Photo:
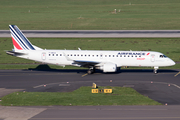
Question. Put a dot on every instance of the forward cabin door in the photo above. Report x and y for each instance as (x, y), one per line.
(152, 58)
(43, 56)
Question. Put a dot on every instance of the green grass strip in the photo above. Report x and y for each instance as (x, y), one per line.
(91, 14)
(81, 96)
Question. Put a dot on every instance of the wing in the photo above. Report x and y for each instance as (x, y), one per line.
(84, 63)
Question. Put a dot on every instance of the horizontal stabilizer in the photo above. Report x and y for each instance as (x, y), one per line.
(15, 53)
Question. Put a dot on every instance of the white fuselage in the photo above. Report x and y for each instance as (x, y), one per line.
(120, 58)
(108, 61)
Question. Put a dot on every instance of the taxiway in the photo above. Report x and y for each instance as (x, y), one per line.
(163, 87)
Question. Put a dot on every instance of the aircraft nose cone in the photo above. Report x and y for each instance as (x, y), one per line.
(172, 62)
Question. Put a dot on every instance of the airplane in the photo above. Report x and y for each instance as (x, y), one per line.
(107, 61)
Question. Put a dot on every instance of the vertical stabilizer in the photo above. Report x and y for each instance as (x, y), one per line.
(20, 41)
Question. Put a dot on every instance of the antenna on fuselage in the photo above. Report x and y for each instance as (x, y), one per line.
(79, 48)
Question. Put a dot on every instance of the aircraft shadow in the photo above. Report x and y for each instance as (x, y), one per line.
(45, 67)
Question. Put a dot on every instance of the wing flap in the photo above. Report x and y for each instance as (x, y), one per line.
(85, 63)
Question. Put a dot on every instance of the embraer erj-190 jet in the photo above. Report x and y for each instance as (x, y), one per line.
(107, 61)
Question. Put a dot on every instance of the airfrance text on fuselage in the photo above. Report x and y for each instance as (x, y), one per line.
(132, 53)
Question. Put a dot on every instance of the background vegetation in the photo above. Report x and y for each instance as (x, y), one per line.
(90, 14)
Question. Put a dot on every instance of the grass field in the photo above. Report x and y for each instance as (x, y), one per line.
(81, 96)
(90, 14)
(168, 46)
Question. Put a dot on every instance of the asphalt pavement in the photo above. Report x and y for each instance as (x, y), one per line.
(163, 87)
(97, 33)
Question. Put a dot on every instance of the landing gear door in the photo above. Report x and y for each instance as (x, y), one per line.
(43, 56)
(152, 58)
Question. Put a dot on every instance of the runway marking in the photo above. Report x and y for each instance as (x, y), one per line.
(177, 74)
(111, 118)
(60, 84)
(84, 74)
(176, 85)
(38, 86)
(168, 84)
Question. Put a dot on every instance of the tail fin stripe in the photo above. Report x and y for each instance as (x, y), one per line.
(25, 39)
(16, 44)
(18, 40)
(20, 37)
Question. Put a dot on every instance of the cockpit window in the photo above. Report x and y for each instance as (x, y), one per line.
(163, 56)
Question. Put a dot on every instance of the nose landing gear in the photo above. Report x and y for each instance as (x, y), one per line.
(155, 69)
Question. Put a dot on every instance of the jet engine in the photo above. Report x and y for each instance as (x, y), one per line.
(108, 67)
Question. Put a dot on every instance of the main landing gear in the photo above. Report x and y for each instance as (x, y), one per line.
(91, 70)
(155, 69)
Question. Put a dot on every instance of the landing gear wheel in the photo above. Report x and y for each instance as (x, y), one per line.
(155, 69)
(90, 71)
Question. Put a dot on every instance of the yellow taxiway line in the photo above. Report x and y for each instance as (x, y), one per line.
(177, 74)
(84, 74)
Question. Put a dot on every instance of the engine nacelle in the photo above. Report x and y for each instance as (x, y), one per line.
(108, 67)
